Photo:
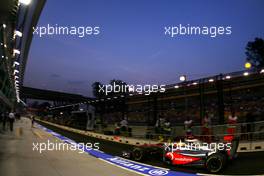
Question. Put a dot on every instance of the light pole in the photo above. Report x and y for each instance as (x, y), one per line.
(247, 66)
(183, 79)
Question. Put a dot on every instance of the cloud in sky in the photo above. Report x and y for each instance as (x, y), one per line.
(74, 82)
(54, 75)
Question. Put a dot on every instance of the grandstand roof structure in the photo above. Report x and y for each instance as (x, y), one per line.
(17, 19)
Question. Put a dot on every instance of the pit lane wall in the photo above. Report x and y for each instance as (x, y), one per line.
(244, 146)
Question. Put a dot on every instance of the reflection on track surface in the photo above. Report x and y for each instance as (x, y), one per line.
(246, 163)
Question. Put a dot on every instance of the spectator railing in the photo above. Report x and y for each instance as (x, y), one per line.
(245, 131)
(250, 131)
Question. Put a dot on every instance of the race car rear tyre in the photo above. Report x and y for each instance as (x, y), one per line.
(215, 162)
(138, 154)
(167, 161)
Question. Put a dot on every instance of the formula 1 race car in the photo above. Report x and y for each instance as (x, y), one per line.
(191, 152)
(144, 152)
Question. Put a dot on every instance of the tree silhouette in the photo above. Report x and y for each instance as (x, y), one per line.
(255, 53)
(117, 82)
(96, 89)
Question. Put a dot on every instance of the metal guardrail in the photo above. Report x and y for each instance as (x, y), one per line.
(245, 131)
(251, 131)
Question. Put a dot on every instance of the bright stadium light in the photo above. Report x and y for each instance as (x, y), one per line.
(18, 33)
(24, 2)
(228, 77)
(262, 71)
(211, 80)
(247, 65)
(183, 78)
(16, 51)
(3, 56)
(245, 73)
(4, 25)
(194, 83)
(176, 87)
(15, 63)
(16, 71)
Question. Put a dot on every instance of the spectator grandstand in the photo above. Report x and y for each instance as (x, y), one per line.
(237, 92)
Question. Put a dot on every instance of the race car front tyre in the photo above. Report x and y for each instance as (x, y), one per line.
(138, 154)
(215, 162)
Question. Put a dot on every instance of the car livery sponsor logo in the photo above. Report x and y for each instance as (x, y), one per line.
(137, 167)
(158, 172)
(128, 164)
(183, 159)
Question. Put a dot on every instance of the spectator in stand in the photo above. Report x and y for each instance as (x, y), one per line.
(124, 124)
(159, 125)
(11, 120)
(188, 126)
(232, 121)
(206, 131)
(167, 127)
(117, 129)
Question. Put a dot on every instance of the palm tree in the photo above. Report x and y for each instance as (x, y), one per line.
(118, 83)
(96, 89)
(255, 53)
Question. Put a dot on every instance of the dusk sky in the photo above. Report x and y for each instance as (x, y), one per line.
(132, 45)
